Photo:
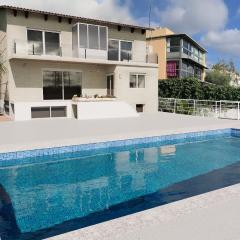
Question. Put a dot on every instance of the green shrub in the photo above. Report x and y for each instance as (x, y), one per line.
(192, 88)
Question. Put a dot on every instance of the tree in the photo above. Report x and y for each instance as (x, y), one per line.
(218, 77)
(2, 88)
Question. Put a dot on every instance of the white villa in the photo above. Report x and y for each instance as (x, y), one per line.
(52, 57)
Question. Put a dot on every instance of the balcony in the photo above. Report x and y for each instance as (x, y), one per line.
(65, 52)
(177, 52)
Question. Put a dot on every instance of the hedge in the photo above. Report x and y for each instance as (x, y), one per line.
(192, 88)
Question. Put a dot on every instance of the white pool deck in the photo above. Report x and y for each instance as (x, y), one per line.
(37, 134)
(213, 216)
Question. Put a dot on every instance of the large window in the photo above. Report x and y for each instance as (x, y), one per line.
(119, 50)
(173, 44)
(192, 51)
(92, 36)
(42, 42)
(61, 85)
(137, 80)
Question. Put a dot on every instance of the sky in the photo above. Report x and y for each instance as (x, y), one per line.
(214, 23)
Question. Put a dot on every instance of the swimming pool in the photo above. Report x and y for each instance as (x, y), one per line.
(48, 192)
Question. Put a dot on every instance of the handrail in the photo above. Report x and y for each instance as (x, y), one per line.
(208, 108)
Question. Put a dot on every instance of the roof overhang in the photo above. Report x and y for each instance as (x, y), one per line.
(76, 18)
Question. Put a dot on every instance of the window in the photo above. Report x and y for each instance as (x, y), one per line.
(133, 81)
(126, 50)
(139, 107)
(61, 85)
(113, 50)
(137, 80)
(83, 36)
(173, 44)
(119, 50)
(49, 112)
(52, 43)
(58, 111)
(92, 36)
(52, 85)
(103, 38)
(40, 112)
(72, 84)
(35, 42)
(41, 42)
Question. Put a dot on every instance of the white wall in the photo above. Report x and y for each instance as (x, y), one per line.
(105, 109)
(147, 96)
(26, 79)
(22, 110)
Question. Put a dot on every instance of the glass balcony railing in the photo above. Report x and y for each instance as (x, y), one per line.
(21, 47)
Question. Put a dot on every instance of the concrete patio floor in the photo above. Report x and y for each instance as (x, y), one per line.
(37, 134)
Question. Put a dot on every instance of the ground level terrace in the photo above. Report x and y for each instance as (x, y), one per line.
(61, 132)
(52, 81)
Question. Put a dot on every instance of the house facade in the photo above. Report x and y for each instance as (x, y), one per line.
(179, 55)
(52, 57)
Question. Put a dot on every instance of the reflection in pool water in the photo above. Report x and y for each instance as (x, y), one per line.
(44, 195)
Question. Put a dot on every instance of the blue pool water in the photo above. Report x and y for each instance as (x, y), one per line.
(36, 197)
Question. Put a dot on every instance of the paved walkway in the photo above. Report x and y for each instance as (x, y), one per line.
(37, 134)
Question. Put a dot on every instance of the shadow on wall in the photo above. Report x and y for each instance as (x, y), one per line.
(8, 224)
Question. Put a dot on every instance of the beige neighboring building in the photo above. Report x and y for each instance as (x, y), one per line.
(178, 54)
(50, 57)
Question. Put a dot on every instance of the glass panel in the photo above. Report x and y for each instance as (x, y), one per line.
(35, 42)
(83, 35)
(58, 111)
(103, 38)
(133, 81)
(72, 84)
(174, 41)
(40, 112)
(52, 85)
(141, 81)
(52, 43)
(93, 37)
(113, 50)
(126, 50)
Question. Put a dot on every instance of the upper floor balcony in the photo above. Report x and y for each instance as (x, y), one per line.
(50, 50)
(178, 47)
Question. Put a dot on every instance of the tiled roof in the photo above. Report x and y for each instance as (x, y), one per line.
(77, 18)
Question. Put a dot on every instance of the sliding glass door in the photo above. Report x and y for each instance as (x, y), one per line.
(61, 85)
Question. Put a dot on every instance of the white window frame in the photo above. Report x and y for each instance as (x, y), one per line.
(119, 46)
(99, 26)
(137, 75)
(62, 71)
(43, 38)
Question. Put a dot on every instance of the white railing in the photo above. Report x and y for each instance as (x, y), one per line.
(206, 108)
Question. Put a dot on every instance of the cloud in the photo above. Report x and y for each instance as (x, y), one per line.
(194, 16)
(110, 10)
(226, 41)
